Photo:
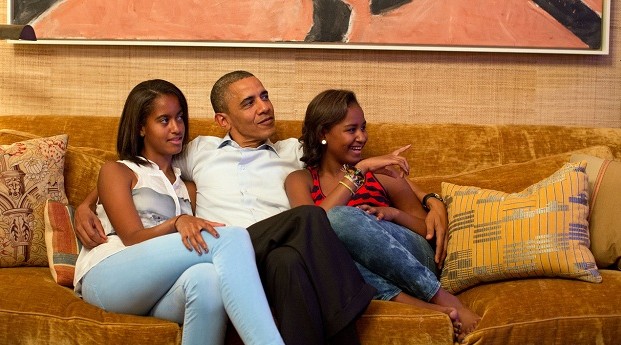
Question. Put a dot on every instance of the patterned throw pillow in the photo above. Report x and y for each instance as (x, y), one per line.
(31, 172)
(63, 247)
(604, 221)
(540, 231)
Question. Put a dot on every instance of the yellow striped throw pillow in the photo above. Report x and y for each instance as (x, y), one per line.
(541, 231)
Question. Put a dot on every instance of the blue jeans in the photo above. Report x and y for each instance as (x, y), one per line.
(390, 257)
(160, 277)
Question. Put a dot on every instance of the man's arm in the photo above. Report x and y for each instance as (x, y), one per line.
(436, 221)
(88, 227)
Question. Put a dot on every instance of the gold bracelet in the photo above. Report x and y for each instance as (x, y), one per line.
(348, 187)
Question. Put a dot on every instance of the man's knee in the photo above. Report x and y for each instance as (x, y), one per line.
(284, 260)
(312, 211)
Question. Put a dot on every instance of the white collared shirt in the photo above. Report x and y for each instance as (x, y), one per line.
(239, 186)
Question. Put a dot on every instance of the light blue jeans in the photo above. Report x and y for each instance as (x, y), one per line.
(390, 257)
(160, 277)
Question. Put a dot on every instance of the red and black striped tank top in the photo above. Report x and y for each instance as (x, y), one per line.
(371, 193)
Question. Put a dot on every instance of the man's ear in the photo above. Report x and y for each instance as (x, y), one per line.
(223, 120)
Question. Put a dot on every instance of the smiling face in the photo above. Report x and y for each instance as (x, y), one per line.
(164, 129)
(249, 117)
(346, 139)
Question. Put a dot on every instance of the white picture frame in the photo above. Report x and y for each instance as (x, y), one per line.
(18, 13)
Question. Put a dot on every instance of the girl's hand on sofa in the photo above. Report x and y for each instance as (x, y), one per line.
(88, 227)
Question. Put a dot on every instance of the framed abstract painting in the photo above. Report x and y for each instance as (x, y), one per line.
(539, 26)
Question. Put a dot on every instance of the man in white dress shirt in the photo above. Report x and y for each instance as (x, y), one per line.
(309, 278)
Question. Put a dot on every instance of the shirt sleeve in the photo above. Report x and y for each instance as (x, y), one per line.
(290, 149)
(299, 153)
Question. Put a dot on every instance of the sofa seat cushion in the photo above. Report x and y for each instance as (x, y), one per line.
(547, 311)
(44, 312)
(385, 322)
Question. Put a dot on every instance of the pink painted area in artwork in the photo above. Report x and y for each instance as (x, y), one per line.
(246, 20)
(494, 23)
(507, 23)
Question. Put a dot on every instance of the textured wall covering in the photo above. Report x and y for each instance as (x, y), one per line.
(393, 86)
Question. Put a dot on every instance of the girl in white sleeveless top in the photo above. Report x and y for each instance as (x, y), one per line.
(159, 259)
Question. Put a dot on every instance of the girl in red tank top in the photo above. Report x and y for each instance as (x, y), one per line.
(336, 175)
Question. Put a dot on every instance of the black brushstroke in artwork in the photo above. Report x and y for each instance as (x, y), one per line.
(577, 17)
(382, 6)
(330, 21)
(25, 11)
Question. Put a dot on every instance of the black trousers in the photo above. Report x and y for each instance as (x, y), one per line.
(312, 283)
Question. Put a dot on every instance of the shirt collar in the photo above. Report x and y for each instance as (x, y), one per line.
(228, 141)
(156, 167)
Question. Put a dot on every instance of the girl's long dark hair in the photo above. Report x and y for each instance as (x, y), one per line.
(139, 104)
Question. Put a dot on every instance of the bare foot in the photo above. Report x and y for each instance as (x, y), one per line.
(469, 319)
(452, 312)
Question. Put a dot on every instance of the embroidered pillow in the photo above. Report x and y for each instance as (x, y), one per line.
(61, 242)
(604, 220)
(31, 172)
(540, 231)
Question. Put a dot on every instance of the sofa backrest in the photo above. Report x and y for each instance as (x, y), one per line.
(438, 150)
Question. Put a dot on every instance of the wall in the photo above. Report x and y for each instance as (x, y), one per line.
(393, 86)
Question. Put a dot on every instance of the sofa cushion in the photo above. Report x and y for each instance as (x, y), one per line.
(541, 231)
(511, 177)
(81, 170)
(604, 221)
(39, 321)
(9, 136)
(386, 322)
(31, 172)
(546, 311)
(36, 310)
(63, 247)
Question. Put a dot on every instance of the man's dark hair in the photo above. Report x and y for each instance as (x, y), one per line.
(220, 88)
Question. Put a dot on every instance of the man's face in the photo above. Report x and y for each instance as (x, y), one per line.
(250, 116)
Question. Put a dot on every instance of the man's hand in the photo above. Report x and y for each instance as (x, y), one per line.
(437, 225)
(88, 227)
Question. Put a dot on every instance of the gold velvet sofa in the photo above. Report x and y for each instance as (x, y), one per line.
(34, 309)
